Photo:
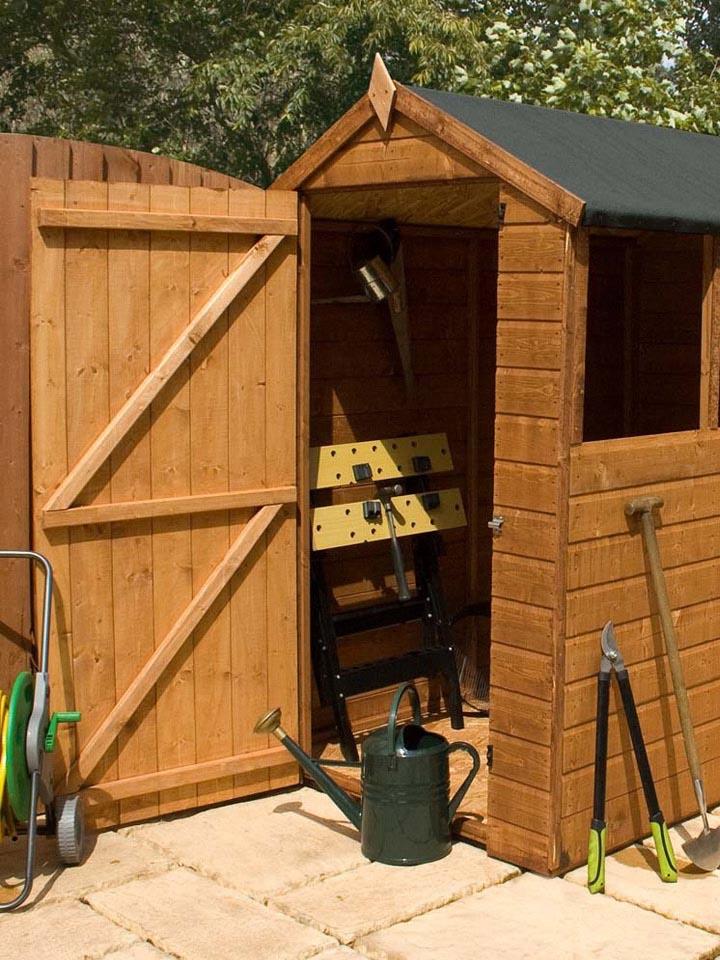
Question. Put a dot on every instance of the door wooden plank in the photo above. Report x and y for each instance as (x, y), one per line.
(132, 586)
(209, 451)
(280, 451)
(49, 448)
(170, 440)
(202, 322)
(15, 596)
(104, 736)
(248, 593)
(88, 410)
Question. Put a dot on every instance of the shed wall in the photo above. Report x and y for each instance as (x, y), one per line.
(23, 157)
(607, 579)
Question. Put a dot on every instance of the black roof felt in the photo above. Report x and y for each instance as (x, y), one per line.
(630, 175)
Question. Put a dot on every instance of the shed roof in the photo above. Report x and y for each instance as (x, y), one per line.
(630, 175)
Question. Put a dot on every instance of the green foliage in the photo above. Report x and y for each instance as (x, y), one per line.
(245, 85)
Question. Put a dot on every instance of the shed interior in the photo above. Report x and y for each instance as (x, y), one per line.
(357, 392)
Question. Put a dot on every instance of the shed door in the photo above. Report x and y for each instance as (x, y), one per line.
(164, 478)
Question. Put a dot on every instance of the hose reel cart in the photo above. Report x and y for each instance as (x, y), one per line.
(29, 735)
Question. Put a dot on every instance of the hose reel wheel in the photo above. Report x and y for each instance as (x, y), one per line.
(70, 820)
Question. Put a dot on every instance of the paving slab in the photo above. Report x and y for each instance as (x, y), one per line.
(261, 847)
(139, 951)
(194, 918)
(374, 895)
(67, 931)
(111, 859)
(534, 918)
(338, 953)
(631, 875)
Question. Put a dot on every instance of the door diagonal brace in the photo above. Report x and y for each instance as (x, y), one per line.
(128, 415)
(98, 744)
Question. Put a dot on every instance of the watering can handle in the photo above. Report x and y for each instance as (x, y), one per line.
(463, 788)
(392, 719)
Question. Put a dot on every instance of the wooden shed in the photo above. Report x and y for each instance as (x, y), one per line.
(561, 275)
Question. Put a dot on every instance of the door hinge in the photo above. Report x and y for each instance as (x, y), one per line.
(489, 755)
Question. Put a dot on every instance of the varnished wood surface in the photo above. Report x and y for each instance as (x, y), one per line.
(22, 157)
(533, 257)
(607, 578)
(168, 650)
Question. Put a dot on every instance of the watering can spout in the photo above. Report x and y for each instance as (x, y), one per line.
(270, 723)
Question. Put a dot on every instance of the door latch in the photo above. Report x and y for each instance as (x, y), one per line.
(496, 525)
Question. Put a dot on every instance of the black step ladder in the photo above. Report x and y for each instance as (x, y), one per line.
(405, 508)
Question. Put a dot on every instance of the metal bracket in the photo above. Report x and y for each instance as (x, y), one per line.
(496, 525)
(372, 510)
(361, 471)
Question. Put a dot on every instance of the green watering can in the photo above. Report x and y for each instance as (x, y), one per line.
(406, 812)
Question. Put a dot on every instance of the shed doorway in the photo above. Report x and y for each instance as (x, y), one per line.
(358, 393)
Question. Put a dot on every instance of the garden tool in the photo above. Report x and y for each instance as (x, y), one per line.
(406, 813)
(29, 735)
(704, 851)
(610, 661)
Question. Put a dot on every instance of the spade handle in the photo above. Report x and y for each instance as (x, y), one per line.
(647, 521)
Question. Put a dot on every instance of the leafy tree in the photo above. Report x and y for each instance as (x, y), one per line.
(246, 85)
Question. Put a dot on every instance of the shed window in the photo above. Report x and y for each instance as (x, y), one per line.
(642, 363)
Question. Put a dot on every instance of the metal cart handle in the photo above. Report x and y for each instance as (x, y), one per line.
(43, 562)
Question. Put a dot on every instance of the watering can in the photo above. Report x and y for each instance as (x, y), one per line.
(406, 812)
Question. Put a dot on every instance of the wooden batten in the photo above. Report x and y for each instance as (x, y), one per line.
(710, 356)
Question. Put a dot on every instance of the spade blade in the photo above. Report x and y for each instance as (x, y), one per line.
(704, 851)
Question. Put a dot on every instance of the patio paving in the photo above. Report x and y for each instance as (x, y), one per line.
(282, 878)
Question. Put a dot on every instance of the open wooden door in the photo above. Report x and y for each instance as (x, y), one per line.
(164, 481)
